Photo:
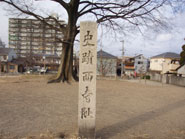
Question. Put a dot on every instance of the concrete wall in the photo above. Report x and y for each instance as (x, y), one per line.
(176, 80)
(168, 79)
(155, 77)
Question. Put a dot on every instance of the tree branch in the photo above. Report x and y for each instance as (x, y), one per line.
(31, 13)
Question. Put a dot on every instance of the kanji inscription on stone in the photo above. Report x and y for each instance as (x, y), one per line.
(87, 80)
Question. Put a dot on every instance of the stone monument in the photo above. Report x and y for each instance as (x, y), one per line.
(87, 80)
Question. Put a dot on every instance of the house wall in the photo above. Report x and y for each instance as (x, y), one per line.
(141, 64)
(181, 71)
(161, 64)
(9, 68)
(106, 67)
(129, 72)
(156, 77)
(8, 57)
(12, 55)
(12, 68)
(3, 58)
(3, 68)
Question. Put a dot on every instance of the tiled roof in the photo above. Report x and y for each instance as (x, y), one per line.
(167, 55)
(103, 54)
(138, 55)
(20, 60)
(5, 51)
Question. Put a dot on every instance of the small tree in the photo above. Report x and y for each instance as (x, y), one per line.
(116, 15)
(106, 66)
(182, 54)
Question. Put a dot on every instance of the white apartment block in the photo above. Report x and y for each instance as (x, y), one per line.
(31, 36)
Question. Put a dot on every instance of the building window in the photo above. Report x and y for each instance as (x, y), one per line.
(139, 62)
(176, 62)
(12, 67)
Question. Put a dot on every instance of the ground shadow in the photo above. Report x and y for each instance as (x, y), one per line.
(122, 126)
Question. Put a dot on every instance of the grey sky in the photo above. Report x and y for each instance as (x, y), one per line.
(169, 40)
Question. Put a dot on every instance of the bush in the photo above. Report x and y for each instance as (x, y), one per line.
(146, 77)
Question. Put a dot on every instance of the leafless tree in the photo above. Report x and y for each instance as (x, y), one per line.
(106, 67)
(113, 14)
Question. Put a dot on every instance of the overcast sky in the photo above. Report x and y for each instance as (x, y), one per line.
(149, 44)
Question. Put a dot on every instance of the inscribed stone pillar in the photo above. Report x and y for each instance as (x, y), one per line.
(87, 80)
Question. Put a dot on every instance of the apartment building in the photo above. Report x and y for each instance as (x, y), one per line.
(31, 36)
(6, 64)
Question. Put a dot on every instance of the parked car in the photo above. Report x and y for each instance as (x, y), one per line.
(28, 70)
(34, 69)
(43, 70)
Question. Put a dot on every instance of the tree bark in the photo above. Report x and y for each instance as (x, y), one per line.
(65, 71)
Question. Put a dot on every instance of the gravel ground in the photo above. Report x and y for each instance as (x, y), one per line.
(125, 109)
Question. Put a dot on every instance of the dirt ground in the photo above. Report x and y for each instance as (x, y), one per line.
(125, 109)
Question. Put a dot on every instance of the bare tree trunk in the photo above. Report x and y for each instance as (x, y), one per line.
(65, 70)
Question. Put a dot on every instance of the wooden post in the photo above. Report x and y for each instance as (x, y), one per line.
(87, 80)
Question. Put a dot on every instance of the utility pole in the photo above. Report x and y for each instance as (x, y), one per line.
(44, 58)
(101, 62)
(122, 57)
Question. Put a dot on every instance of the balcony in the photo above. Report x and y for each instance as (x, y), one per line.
(173, 67)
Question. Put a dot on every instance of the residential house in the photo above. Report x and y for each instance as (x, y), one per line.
(129, 66)
(141, 64)
(181, 70)
(106, 64)
(165, 63)
(119, 66)
(120, 61)
(6, 56)
(49, 61)
(133, 66)
(22, 63)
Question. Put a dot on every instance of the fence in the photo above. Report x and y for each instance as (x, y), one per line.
(168, 79)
